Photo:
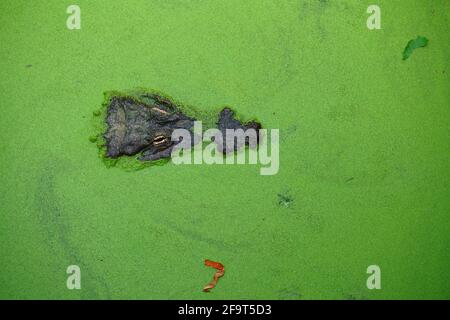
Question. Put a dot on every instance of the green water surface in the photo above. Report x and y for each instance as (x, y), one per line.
(364, 151)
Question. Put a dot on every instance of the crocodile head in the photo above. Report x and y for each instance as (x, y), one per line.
(136, 127)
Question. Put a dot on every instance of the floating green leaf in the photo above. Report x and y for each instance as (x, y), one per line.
(285, 200)
(414, 44)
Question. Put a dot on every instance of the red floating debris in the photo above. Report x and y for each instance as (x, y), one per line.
(220, 272)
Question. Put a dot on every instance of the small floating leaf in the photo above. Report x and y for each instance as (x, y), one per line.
(414, 44)
(285, 200)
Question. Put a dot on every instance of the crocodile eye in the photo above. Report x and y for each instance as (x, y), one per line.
(160, 111)
(159, 140)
